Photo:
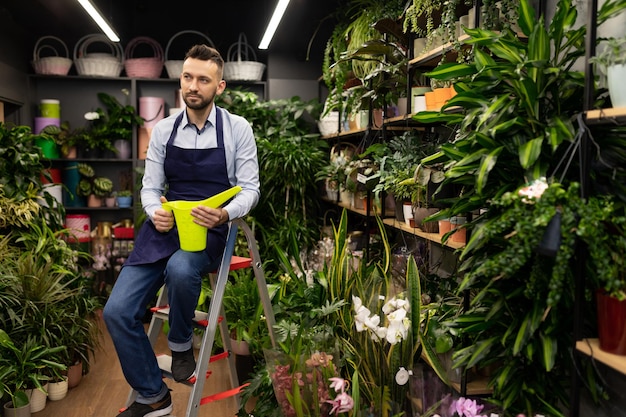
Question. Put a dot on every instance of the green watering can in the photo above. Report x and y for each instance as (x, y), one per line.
(193, 236)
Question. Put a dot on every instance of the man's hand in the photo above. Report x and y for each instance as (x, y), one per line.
(163, 220)
(209, 217)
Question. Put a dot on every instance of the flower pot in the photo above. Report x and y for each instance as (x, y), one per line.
(94, 201)
(616, 74)
(124, 201)
(37, 398)
(244, 364)
(57, 390)
(611, 323)
(122, 146)
(109, 201)
(74, 374)
(420, 214)
(23, 411)
(239, 347)
(407, 210)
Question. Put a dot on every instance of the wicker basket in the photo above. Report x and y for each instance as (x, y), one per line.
(51, 65)
(329, 124)
(175, 67)
(241, 62)
(98, 64)
(144, 67)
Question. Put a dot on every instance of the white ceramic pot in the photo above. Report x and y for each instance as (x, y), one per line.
(407, 210)
(57, 390)
(616, 74)
(37, 398)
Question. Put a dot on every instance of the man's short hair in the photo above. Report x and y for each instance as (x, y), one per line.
(206, 53)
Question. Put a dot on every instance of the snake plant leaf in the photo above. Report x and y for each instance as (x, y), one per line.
(451, 70)
(529, 152)
(486, 166)
(549, 348)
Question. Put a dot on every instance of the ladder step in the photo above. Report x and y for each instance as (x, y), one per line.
(238, 262)
(200, 318)
(223, 394)
(165, 364)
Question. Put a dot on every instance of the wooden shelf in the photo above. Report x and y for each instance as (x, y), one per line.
(591, 347)
(433, 237)
(432, 57)
(348, 133)
(605, 116)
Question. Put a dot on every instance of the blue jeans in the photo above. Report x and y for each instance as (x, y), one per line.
(135, 288)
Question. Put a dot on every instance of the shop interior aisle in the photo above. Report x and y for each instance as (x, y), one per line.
(103, 391)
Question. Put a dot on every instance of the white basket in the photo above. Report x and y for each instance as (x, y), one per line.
(329, 124)
(98, 64)
(175, 67)
(241, 63)
(51, 65)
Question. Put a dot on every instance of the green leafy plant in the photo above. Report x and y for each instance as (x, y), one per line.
(24, 366)
(91, 184)
(21, 188)
(115, 121)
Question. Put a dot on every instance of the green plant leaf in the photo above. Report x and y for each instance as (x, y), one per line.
(486, 165)
(529, 152)
(451, 70)
(549, 349)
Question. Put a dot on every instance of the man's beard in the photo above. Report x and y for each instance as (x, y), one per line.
(201, 105)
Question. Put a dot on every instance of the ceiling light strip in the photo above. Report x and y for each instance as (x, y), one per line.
(97, 17)
(273, 25)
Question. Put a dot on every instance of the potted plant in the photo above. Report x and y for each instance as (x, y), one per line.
(23, 366)
(65, 137)
(115, 122)
(612, 65)
(124, 198)
(93, 187)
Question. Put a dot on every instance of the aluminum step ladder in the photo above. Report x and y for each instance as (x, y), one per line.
(209, 322)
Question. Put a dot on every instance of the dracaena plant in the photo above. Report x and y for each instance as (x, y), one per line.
(518, 98)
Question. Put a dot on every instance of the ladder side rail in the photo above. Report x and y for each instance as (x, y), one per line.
(214, 311)
(223, 326)
(257, 267)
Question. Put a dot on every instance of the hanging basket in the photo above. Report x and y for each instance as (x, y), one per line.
(98, 64)
(241, 62)
(51, 65)
(175, 67)
(144, 67)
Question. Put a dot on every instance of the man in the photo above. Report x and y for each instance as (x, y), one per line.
(192, 155)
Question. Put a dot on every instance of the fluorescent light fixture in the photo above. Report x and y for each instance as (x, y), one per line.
(271, 27)
(97, 17)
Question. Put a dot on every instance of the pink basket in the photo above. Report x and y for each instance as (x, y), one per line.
(145, 67)
(51, 65)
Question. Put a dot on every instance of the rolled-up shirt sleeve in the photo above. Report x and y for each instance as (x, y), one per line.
(241, 160)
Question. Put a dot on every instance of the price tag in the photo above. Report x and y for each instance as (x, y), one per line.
(361, 178)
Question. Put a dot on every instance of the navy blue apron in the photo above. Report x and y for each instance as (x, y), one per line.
(192, 174)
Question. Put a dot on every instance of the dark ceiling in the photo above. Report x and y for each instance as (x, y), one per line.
(221, 21)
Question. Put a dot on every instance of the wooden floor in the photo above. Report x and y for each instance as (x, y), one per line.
(103, 391)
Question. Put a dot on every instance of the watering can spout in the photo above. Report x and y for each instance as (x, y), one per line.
(192, 236)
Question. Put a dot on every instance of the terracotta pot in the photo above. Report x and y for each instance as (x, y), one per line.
(611, 323)
(93, 201)
(74, 374)
(420, 214)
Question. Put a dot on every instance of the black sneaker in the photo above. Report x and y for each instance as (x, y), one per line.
(161, 408)
(183, 365)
